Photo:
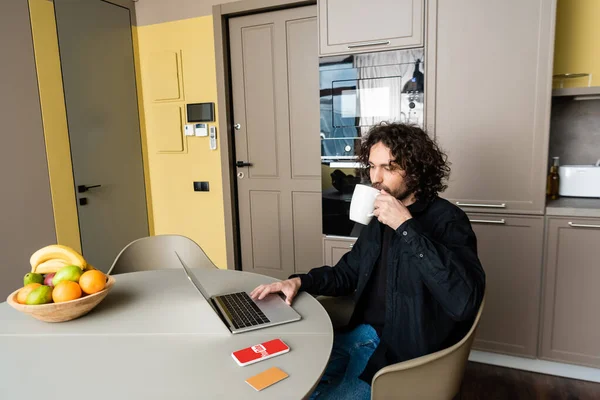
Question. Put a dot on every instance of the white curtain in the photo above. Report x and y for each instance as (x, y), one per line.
(379, 98)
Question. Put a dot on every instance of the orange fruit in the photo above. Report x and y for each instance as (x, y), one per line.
(92, 281)
(66, 291)
(25, 290)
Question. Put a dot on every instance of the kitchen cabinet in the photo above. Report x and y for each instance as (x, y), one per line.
(354, 26)
(571, 297)
(335, 247)
(489, 82)
(510, 249)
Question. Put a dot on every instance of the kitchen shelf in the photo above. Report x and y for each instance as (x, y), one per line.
(582, 92)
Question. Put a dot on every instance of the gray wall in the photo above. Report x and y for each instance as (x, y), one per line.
(26, 217)
(575, 131)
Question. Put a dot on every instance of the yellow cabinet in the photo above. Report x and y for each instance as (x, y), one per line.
(577, 45)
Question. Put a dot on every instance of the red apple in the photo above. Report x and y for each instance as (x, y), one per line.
(48, 279)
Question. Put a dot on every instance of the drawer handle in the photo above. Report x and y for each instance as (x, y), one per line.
(503, 205)
(382, 43)
(488, 221)
(572, 225)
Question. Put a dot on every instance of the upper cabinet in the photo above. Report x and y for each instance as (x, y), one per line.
(577, 47)
(489, 83)
(354, 26)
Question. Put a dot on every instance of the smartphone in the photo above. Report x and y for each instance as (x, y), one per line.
(266, 378)
(260, 352)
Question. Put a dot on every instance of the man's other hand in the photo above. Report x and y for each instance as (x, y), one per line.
(288, 287)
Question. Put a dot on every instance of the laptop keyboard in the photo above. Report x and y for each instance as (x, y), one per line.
(243, 311)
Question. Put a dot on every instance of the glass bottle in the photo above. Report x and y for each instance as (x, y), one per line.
(553, 180)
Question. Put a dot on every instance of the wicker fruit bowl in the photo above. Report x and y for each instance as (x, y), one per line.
(65, 311)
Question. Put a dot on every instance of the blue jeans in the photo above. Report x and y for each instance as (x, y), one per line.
(349, 356)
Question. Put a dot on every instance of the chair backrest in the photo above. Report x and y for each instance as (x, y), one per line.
(434, 376)
(158, 252)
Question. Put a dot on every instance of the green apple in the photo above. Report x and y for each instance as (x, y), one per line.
(32, 277)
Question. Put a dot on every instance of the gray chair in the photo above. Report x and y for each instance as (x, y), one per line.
(158, 252)
(436, 376)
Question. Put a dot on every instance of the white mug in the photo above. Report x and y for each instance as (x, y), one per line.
(363, 204)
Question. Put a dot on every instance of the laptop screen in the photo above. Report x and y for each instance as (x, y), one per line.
(201, 289)
(193, 278)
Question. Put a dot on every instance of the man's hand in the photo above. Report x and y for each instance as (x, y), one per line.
(390, 211)
(289, 288)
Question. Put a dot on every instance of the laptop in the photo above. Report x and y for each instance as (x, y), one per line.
(240, 313)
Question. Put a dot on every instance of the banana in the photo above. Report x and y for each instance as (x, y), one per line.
(50, 266)
(56, 252)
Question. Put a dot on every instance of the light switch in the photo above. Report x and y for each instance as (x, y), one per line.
(189, 130)
(201, 187)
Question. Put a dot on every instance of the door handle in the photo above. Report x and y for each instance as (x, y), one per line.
(381, 43)
(503, 205)
(241, 164)
(84, 188)
(488, 221)
(574, 225)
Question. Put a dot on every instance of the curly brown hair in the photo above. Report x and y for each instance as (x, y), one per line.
(426, 165)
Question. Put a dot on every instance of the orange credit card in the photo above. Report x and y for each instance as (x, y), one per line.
(266, 378)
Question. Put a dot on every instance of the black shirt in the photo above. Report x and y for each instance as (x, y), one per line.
(371, 306)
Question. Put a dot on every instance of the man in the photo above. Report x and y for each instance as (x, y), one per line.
(414, 271)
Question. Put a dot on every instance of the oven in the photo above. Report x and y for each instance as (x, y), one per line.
(357, 92)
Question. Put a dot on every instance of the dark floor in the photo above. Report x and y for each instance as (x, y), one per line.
(489, 382)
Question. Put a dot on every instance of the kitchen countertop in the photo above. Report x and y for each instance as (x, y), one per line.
(573, 207)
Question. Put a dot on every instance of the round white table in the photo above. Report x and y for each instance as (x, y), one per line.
(155, 337)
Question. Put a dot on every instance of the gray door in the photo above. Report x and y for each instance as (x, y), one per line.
(26, 219)
(510, 250)
(570, 323)
(96, 54)
(275, 85)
